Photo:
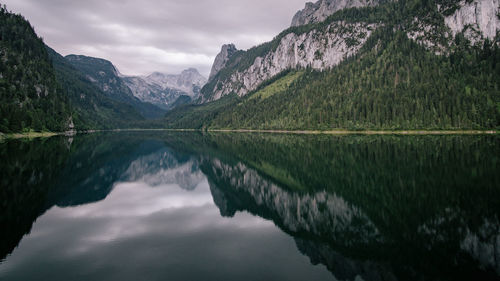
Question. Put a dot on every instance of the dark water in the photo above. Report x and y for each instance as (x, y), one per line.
(187, 206)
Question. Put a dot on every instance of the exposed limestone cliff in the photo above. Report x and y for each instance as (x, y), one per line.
(479, 17)
(316, 49)
(222, 58)
(477, 20)
(319, 11)
(324, 46)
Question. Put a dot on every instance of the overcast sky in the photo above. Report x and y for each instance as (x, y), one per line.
(142, 36)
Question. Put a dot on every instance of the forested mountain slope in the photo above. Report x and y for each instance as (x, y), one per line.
(91, 107)
(399, 65)
(30, 97)
(103, 74)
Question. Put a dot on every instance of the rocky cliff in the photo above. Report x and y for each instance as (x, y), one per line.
(478, 19)
(227, 51)
(318, 49)
(163, 90)
(319, 11)
(325, 45)
(189, 81)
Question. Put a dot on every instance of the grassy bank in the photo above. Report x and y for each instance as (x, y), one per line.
(370, 132)
(28, 135)
(31, 135)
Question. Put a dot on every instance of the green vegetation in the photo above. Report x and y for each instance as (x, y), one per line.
(41, 91)
(281, 85)
(105, 77)
(92, 108)
(196, 116)
(30, 97)
(392, 84)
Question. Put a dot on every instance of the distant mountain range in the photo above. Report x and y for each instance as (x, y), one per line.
(43, 91)
(158, 89)
(163, 90)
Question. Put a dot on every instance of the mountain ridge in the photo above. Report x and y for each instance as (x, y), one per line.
(163, 89)
(289, 50)
(107, 78)
(319, 11)
(372, 79)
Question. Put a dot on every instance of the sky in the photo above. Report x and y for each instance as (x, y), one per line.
(143, 36)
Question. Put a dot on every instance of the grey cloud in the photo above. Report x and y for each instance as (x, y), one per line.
(155, 35)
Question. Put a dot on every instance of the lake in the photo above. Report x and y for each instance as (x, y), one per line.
(229, 206)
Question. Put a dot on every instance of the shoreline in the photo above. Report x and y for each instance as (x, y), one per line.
(366, 132)
(32, 135)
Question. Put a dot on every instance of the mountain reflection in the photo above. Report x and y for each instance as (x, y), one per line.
(369, 207)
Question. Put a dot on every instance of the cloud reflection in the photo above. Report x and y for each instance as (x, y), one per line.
(154, 233)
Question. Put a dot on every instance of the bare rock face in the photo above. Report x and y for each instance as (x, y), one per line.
(222, 58)
(189, 81)
(319, 11)
(164, 89)
(316, 49)
(478, 19)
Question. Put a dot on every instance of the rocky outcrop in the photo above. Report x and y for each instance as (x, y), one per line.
(478, 19)
(189, 81)
(227, 51)
(152, 93)
(319, 50)
(319, 11)
(164, 89)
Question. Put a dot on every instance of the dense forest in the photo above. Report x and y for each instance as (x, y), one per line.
(392, 83)
(92, 108)
(30, 97)
(42, 91)
(105, 77)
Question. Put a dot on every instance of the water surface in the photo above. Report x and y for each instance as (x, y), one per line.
(188, 206)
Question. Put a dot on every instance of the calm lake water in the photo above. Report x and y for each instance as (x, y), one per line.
(187, 206)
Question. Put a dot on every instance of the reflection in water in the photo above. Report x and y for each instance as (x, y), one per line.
(163, 167)
(187, 206)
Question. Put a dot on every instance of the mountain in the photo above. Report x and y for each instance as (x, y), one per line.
(164, 89)
(316, 49)
(92, 109)
(324, 45)
(395, 65)
(319, 11)
(227, 51)
(189, 81)
(30, 97)
(152, 93)
(106, 77)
